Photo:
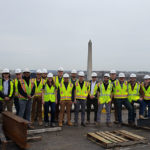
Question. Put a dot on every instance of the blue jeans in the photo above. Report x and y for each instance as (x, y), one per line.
(77, 108)
(147, 103)
(46, 111)
(108, 112)
(127, 104)
(141, 110)
(16, 102)
(25, 109)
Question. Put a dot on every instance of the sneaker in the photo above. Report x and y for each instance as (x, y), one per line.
(31, 127)
(83, 124)
(46, 124)
(40, 123)
(141, 117)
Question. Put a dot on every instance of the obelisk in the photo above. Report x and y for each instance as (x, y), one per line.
(89, 61)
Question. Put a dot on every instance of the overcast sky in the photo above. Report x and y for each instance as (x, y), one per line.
(53, 33)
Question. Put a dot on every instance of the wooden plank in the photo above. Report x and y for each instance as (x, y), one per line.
(134, 135)
(126, 135)
(100, 140)
(37, 131)
(107, 137)
(118, 137)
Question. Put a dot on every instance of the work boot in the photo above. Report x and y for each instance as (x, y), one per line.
(60, 124)
(141, 117)
(40, 123)
(31, 127)
(46, 124)
(69, 123)
(109, 124)
(98, 124)
(53, 124)
(83, 124)
(76, 124)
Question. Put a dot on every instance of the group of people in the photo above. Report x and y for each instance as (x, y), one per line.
(57, 94)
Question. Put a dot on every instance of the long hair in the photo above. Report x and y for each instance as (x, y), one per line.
(52, 82)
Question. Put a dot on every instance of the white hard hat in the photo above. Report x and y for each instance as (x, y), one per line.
(81, 73)
(133, 75)
(74, 71)
(66, 75)
(5, 70)
(107, 75)
(17, 71)
(60, 69)
(94, 74)
(44, 70)
(26, 70)
(112, 71)
(50, 75)
(121, 75)
(146, 77)
(38, 71)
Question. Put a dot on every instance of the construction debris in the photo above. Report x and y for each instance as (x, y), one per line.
(118, 138)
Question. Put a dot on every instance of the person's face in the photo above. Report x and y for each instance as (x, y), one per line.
(81, 78)
(132, 79)
(60, 73)
(73, 75)
(44, 75)
(113, 76)
(18, 75)
(121, 79)
(38, 75)
(146, 81)
(94, 79)
(27, 74)
(66, 79)
(6, 75)
(50, 79)
(106, 79)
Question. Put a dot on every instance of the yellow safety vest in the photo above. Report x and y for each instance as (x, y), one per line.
(146, 92)
(49, 93)
(27, 89)
(15, 81)
(133, 95)
(120, 92)
(105, 95)
(81, 93)
(95, 89)
(66, 94)
(57, 81)
(38, 89)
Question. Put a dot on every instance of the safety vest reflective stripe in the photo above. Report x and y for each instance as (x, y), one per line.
(147, 97)
(105, 94)
(49, 93)
(81, 96)
(120, 95)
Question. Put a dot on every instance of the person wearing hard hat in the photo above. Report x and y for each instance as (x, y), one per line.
(81, 93)
(92, 97)
(135, 95)
(104, 98)
(49, 98)
(73, 81)
(8, 89)
(58, 79)
(44, 73)
(18, 73)
(113, 77)
(37, 99)
(65, 89)
(146, 89)
(120, 91)
(26, 88)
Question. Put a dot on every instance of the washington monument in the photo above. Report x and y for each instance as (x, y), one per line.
(89, 61)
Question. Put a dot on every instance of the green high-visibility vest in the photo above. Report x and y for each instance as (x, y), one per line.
(66, 94)
(95, 89)
(120, 92)
(57, 81)
(81, 93)
(49, 93)
(146, 92)
(105, 95)
(16, 87)
(1, 88)
(133, 95)
(38, 89)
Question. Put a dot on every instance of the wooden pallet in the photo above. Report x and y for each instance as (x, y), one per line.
(118, 138)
